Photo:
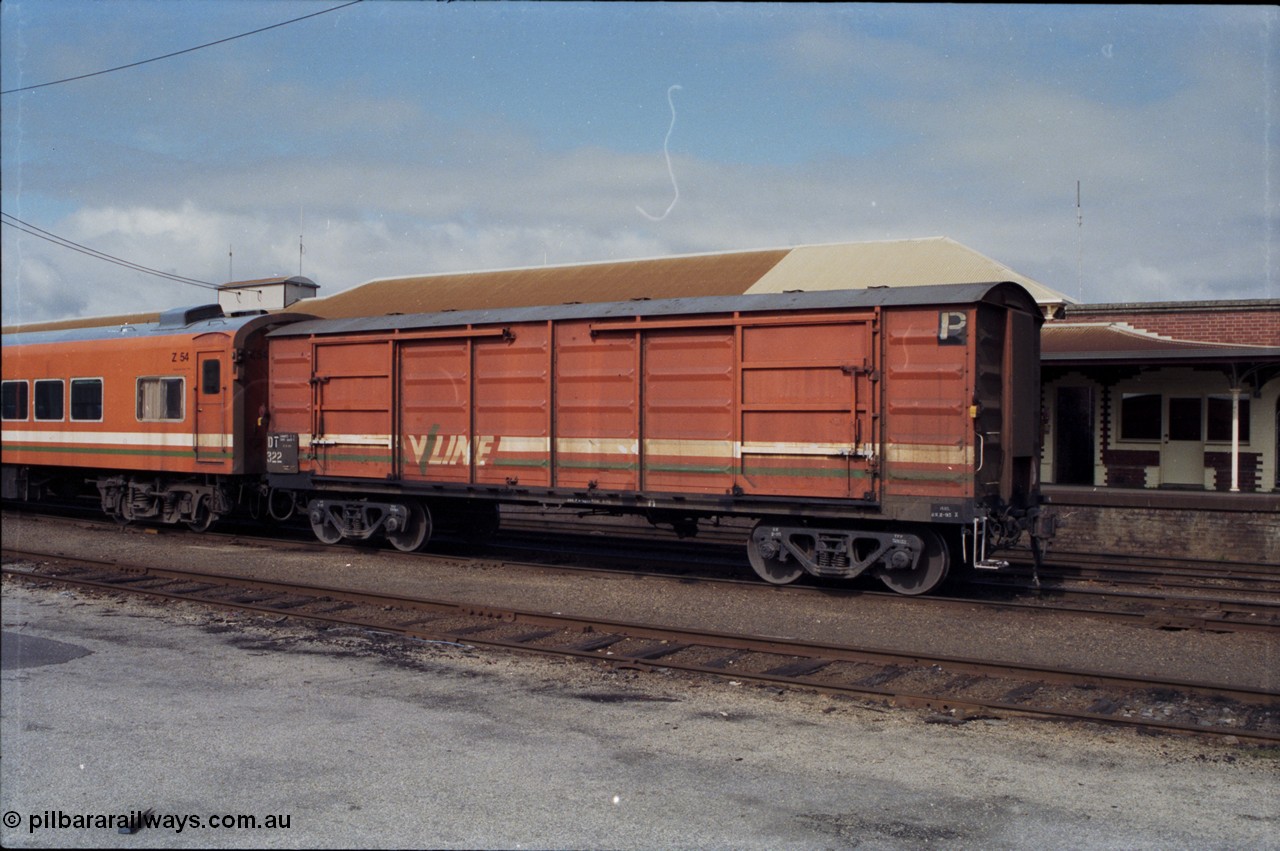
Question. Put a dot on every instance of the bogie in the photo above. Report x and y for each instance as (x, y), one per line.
(911, 559)
(406, 524)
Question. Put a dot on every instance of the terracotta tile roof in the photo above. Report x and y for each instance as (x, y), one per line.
(1066, 341)
(677, 277)
(837, 266)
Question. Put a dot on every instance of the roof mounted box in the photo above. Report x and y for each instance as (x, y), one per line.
(265, 294)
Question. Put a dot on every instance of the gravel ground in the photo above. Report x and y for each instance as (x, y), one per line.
(113, 704)
(1239, 659)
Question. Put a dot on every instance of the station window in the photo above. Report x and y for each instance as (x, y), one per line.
(1220, 419)
(160, 399)
(49, 399)
(13, 400)
(86, 399)
(1184, 419)
(1140, 416)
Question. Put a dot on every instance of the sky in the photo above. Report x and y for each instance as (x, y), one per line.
(407, 138)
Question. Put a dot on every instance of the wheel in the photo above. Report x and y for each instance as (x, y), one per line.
(765, 559)
(929, 571)
(202, 518)
(416, 531)
(325, 531)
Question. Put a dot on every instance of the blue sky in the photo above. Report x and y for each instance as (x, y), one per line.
(409, 138)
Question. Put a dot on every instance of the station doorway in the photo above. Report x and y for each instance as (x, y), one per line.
(1073, 448)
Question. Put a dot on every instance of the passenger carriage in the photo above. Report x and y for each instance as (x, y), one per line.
(166, 419)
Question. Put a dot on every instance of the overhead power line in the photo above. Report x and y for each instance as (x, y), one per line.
(30, 229)
(177, 52)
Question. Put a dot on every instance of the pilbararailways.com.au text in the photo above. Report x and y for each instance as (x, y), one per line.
(144, 820)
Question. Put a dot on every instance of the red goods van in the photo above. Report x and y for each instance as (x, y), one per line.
(894, 430)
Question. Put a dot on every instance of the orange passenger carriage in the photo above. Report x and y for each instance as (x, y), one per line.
(165, 418)
(892, 431)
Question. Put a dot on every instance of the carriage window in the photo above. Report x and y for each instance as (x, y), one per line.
(160, 399)
(86, 399)
(1220, 419)
(211, 378)
(49, 400)
(14, 400)
(1140, 416)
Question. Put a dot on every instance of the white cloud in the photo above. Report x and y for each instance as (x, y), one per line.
(1175, 205)
(41, 292)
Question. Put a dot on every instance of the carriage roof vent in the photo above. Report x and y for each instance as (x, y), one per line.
(181, 317)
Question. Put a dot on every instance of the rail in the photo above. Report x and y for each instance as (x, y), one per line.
(960, 688)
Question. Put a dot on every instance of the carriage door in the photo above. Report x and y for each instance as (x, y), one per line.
(808, 411)
(351, 431)
(210, 425)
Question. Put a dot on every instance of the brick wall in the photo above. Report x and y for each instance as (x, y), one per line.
(1250, 470)
(1241, 326)
(1227, 536)
(1127, 468)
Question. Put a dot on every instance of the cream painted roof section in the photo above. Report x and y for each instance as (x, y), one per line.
(894, 263)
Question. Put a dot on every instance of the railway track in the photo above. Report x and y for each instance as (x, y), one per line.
(1227, 610)
(1059, 565)
(560, 546)
(955, 689)
(726, 542)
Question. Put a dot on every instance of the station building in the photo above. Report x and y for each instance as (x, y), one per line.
(1162, 428)
(1166, 395)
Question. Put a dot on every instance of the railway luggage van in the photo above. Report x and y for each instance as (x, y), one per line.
(165, 419)
(893, 430)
